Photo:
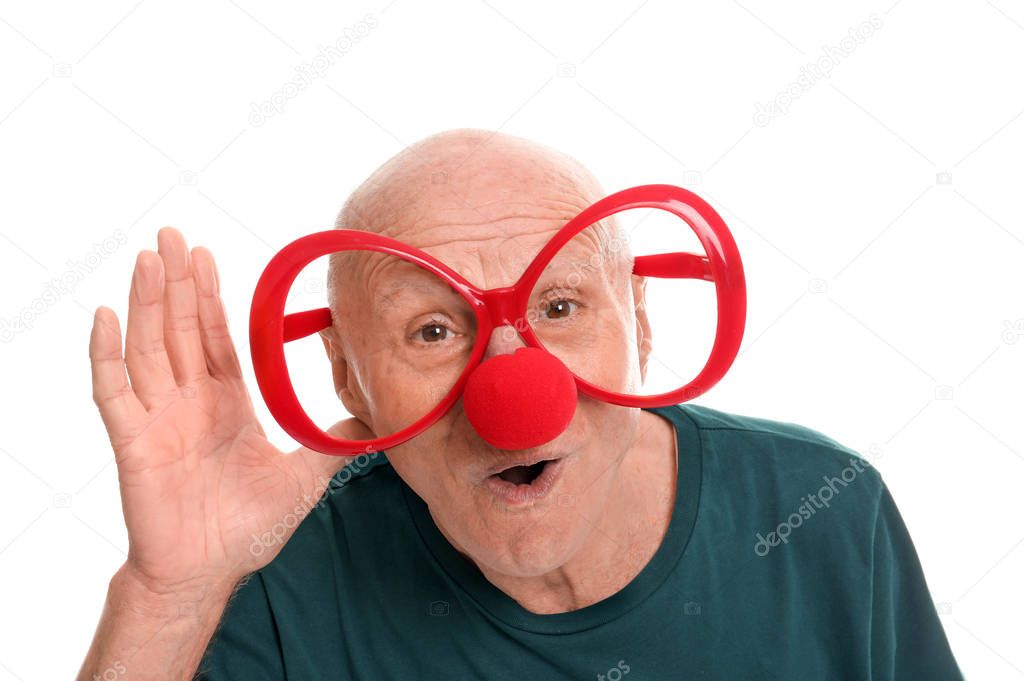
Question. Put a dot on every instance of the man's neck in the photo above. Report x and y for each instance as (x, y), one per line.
(622, 539)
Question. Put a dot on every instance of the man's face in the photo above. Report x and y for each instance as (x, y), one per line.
(403, 337)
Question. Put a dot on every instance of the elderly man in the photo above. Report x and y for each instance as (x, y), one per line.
(649, 543)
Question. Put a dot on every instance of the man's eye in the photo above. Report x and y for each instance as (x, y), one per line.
(433, 332)
(559, 309)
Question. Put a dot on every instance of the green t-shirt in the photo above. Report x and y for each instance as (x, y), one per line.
(786, 558)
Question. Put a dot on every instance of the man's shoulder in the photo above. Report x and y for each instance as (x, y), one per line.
(708, 419)
(364, 474)
(764, 478)
(366, 482)
(362, 502)
(367, 485)
(788, 448)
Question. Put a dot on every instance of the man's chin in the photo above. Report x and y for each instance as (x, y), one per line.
(529, 555)
(526, 541)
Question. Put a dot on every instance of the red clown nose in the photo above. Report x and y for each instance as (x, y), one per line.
(520, 400)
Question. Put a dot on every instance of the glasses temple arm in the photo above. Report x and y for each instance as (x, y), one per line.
(673, 266)
(301, 324)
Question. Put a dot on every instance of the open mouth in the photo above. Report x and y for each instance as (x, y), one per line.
(523, 475)
(526, 482)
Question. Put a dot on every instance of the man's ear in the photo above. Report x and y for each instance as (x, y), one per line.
(344, 384)
(643, 324)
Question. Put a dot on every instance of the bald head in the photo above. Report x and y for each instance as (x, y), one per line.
(468, 186)
(467, 169)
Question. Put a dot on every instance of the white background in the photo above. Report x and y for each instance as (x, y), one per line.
(879, 220)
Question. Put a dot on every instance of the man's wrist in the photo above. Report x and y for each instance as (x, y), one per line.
(130, 590)
(156, 630)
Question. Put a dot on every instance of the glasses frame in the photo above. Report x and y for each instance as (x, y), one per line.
(270, 328)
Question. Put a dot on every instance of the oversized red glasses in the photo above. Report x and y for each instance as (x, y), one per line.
(429, 332)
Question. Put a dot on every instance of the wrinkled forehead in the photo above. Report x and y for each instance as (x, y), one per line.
(495, 259)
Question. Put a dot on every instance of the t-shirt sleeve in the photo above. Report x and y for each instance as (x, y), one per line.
(246, 645)
(907, 639)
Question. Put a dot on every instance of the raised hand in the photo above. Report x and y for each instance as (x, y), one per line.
(199, 479)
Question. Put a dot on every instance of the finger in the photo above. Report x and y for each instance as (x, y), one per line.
(181, 314)
(145, 355)
(119, 408)
(221, 357)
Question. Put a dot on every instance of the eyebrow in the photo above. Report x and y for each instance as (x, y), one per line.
(413, 293)
(606, 270)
